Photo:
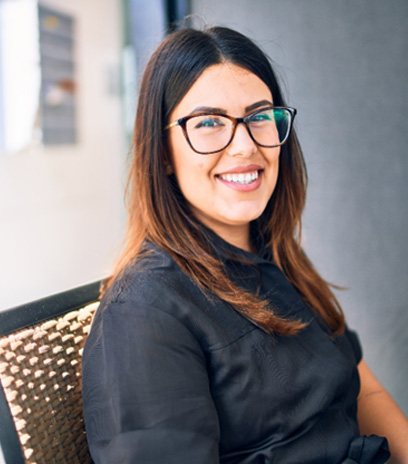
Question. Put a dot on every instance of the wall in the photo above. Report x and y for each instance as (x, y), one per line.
(344, 66)
(61, 208)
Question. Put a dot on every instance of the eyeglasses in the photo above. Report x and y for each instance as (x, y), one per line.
(209, 133)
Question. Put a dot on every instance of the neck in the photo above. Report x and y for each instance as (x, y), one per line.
(237, 236)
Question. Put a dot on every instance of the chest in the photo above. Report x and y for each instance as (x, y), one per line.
(272, 388)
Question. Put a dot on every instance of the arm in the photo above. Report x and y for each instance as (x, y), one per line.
(379, 414)
(146, 390)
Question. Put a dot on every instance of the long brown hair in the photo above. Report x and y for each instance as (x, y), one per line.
(159, 213)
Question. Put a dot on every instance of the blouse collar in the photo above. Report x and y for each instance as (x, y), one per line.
(228, 252)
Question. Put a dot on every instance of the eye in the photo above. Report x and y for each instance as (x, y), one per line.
(208, 122)
(261, 116)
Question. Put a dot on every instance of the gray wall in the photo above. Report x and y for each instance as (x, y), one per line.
(344, 66)
(147, 26)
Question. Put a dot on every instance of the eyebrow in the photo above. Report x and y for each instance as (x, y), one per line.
(258, 104)
(208, 110)
(212, 109)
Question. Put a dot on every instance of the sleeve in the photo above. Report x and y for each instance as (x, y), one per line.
(355, 343)
(146, 390)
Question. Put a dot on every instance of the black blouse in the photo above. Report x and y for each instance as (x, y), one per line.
(172, 377)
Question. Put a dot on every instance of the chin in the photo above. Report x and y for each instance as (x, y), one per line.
(242, 219)
(245, 215)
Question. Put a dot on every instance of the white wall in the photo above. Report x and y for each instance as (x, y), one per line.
(61, 209)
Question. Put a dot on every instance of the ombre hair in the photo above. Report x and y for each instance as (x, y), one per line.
(158, 212)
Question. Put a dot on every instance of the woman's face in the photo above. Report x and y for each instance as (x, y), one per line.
(218, 197)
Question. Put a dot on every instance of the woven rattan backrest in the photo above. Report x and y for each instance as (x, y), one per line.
(40, 371)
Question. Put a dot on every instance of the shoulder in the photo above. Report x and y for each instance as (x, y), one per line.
(153, 292)
(349, 343)
(152, 281)
(142, 277)
(155, 280)
(142, 310)
(354, 343)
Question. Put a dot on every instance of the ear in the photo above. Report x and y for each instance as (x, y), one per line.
(169, 169)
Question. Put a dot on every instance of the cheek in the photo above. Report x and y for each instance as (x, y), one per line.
(276, 164)
(177, 145)
(273, 171)
(273, 158)
(204, 167)
(194, 174)
(192, 171)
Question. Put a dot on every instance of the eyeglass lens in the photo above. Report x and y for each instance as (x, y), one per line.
(212, 132)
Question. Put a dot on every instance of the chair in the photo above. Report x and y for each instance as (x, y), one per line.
(40, 378)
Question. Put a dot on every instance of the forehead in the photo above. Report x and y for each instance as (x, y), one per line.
(225, 86)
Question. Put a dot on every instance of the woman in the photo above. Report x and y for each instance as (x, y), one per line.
(216, 339)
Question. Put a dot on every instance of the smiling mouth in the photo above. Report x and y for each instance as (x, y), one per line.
(241, 178)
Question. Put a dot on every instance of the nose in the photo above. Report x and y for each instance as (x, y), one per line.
(241, 143)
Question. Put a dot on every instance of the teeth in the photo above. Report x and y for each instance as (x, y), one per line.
(246, 178)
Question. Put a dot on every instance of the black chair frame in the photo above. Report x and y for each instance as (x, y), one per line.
(24, 316)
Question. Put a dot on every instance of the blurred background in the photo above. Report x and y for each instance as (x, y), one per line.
(69, 74)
